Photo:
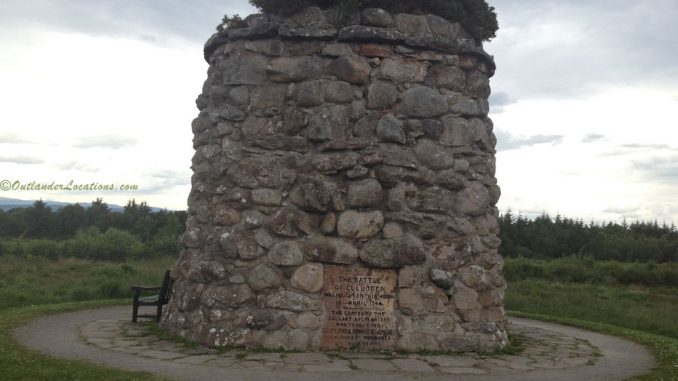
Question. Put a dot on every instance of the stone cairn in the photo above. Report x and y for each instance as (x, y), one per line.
(344, 189)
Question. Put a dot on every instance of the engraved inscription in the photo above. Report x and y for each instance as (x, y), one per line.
(359, 304)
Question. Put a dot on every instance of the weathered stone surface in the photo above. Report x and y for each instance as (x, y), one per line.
(223, 215)
(365, 193)
(314, 194)
(448, 77)
(412, 24)
(244, 69)
(271, 47)
(423, 102)
(398, 156)
(464, 297)
(350, 68)
(376, 17)
(375, 50)
(282, 223)
(226, 297)
(267, 97)
(368, 33)
(432, 128)
(239, 96)
(293, 69)
(381, 95)
(330, 250)
(390, 129)
(264, 238)
(337, 91)
(229, 112)
(393, 253)
(308, 278)
(411, 300)
(450, 179)
(392, 231)
(328, 123)
(402, 70)
(334, 162)
(433, 155)
(409, 276)
(356, 224)
(308, 27)
(310, 94)
(473, 200)
(268, 197)
(316, 31)
(478, 85)
(465, 106)
(286, 253)
(328, 223)
(457, 132)
(475, 277)
(337, 50)
(263, 30)
(289, 300)
(441, 278)
(264, 276)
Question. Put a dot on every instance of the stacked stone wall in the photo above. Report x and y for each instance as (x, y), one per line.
(323, 147)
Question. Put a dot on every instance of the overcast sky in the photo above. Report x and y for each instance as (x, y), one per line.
(585, 101)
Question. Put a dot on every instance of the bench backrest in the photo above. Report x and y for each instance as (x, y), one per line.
(166, 288)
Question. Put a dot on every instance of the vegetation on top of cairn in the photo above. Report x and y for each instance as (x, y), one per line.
(476, 16)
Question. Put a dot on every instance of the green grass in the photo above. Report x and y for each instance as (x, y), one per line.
(19, 364)
(588, 270)
(36, 280)
(653, 310)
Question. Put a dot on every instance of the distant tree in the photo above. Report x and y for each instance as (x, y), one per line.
(98, 215)
(136, 219)
(69, 220)
(39, 221)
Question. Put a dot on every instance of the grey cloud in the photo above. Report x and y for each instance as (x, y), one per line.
(104, 141)
(148, 20)
(21, 160)
(646, 146)
(658, 168)
(77, 166)
(163, 180)
(590, 138)
(571, 47)
(625, 211)
(11, 138)
(634, 148)
(499, 100)
(506, 141)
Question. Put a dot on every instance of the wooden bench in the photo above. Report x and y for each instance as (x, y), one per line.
(159, 300)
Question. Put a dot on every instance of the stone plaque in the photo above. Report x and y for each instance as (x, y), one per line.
(359, 304)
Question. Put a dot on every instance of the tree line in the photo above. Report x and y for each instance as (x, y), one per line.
(545, 237)
(95, 232)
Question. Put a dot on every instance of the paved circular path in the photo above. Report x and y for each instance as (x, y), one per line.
(554, 353)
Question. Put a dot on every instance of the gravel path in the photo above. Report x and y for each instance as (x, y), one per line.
(554, 353)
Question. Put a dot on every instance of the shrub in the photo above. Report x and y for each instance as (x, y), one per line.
(477, 17)
(113, 244)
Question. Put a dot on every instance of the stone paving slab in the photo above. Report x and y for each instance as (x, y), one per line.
(553, 353)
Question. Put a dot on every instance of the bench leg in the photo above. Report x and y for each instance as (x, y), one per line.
(135, 312)
(159, 313)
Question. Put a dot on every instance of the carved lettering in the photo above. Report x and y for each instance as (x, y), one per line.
(359, 304)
